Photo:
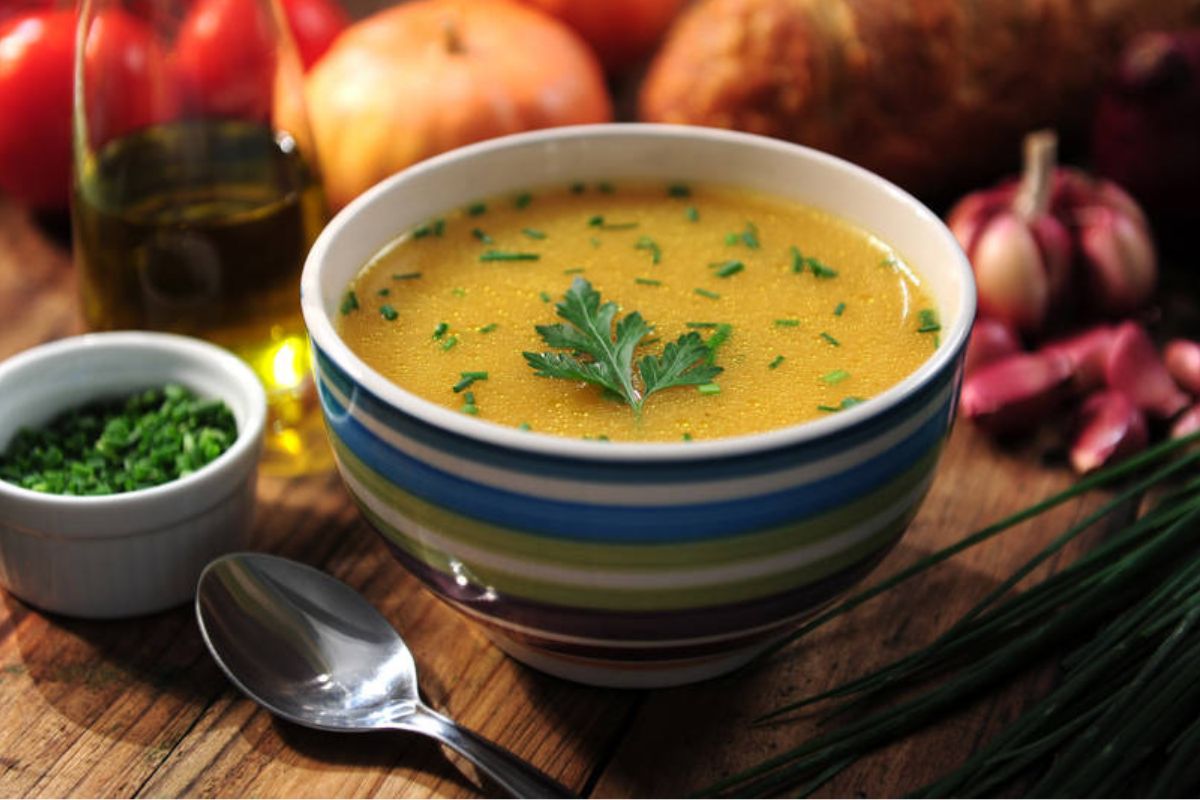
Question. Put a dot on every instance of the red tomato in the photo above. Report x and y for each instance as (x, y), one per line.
(225, 56)
(127, 88)
(225, 51)
(13, 8)
(35, 107)
(315, 24)
(622, 32)
(126, 77)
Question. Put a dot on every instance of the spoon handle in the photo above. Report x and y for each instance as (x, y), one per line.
(511, 773)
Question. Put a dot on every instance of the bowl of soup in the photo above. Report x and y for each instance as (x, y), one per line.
(637, 399)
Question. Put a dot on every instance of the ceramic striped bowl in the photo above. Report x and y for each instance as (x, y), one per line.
(628, 564)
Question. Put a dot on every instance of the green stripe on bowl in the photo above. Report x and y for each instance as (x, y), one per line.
(649, 557)
(641, 599)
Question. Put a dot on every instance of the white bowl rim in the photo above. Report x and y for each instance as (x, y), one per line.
(323, 333)
(241, 376)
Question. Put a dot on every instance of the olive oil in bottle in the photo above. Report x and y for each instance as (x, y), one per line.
(202, 228)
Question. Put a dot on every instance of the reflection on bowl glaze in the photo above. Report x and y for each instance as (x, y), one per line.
(635, 564)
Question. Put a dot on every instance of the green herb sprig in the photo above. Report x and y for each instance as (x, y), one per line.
(592, 330)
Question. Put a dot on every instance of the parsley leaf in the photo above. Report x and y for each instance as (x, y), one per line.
(590, 332)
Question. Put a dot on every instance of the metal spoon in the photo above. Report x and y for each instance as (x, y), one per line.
(313, 651)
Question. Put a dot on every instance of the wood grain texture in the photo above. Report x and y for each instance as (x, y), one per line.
(137, 708)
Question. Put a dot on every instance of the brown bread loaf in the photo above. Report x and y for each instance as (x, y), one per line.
(933, 94)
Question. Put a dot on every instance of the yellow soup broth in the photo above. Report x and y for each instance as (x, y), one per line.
(813, 313)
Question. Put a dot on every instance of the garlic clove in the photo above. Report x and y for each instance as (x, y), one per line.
(1088, 354)
(1187, 423)
(1134, 367)
(1113, 196)
(1113, 428)
(1182, 359)
(1013, 395)
(1012, 282)
(1119, 261)
(971, 214)
(1058, 254)
(991, 340)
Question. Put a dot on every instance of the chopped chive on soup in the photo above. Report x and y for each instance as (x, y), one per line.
(648, 312)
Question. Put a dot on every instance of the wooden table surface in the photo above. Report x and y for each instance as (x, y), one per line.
(138, 708)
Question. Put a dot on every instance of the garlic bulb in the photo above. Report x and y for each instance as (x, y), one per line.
(1020, 252)
(1054, 236)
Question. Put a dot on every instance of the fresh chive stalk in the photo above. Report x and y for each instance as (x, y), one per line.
(598, 221)
(469, 406)
(797, 259)
(719, 336)
(646, 243)
(507, 255)
(1123, 712)
(819, 269)
(725, 269)
(467, 379)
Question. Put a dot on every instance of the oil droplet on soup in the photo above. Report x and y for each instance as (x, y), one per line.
(806, 313)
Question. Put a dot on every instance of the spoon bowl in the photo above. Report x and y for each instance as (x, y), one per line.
(313, 651)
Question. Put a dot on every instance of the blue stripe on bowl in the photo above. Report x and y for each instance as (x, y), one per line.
(644, 470)
(614, 523)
